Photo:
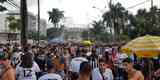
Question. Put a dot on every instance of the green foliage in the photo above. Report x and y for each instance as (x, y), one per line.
(54, 32)
(14, 24)
(55, 16)
(33, 35)
(98, 32)
(98, 27)
(105, 37)
(146, 22)
(123, 26)
(115, 19)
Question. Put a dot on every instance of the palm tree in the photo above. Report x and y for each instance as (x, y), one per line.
(107, 20)
(147, 21)
(98, 29)
(24, 20)
(115, 19)
(55, 16)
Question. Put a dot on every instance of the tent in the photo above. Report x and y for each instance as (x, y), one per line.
(56, 40)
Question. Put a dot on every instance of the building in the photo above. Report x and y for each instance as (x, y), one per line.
(73, 33)
(5, 32)
(43, 27)
(3, 22)
(31, 19)
(32, 22)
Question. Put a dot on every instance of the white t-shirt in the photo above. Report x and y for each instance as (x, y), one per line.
(27, 73)
(120, 58)
(16, 58)
(96, 75)
(51, 76)
(75, 63)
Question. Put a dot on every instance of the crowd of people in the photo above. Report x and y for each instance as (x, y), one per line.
(74, 62)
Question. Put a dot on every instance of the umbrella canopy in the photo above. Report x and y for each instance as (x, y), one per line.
(146, 46)
(57, 40)
(87, 42)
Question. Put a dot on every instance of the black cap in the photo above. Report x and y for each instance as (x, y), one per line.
(2, 54)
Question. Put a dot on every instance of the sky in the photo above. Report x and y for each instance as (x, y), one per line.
(82, 11)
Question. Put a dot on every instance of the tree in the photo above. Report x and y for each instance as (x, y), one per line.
(97, 30)
(14, 24)
(54, 32)
(146, 22)
(115, 19)
(55, 16)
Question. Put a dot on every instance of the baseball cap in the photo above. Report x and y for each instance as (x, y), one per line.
(2, 54)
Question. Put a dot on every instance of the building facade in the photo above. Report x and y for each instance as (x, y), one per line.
(73, 33)
(5, 32)
(43, 27)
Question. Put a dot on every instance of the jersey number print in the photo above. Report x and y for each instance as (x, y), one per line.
(27, 73)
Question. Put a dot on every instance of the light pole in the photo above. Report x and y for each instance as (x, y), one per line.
(24, 21)
(151, 3)
(38, 34)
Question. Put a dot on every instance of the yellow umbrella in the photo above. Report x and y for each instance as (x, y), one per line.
(86, 42)
(146, 46)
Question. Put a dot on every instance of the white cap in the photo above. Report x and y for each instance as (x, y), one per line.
(89, 53)
(123, 56)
